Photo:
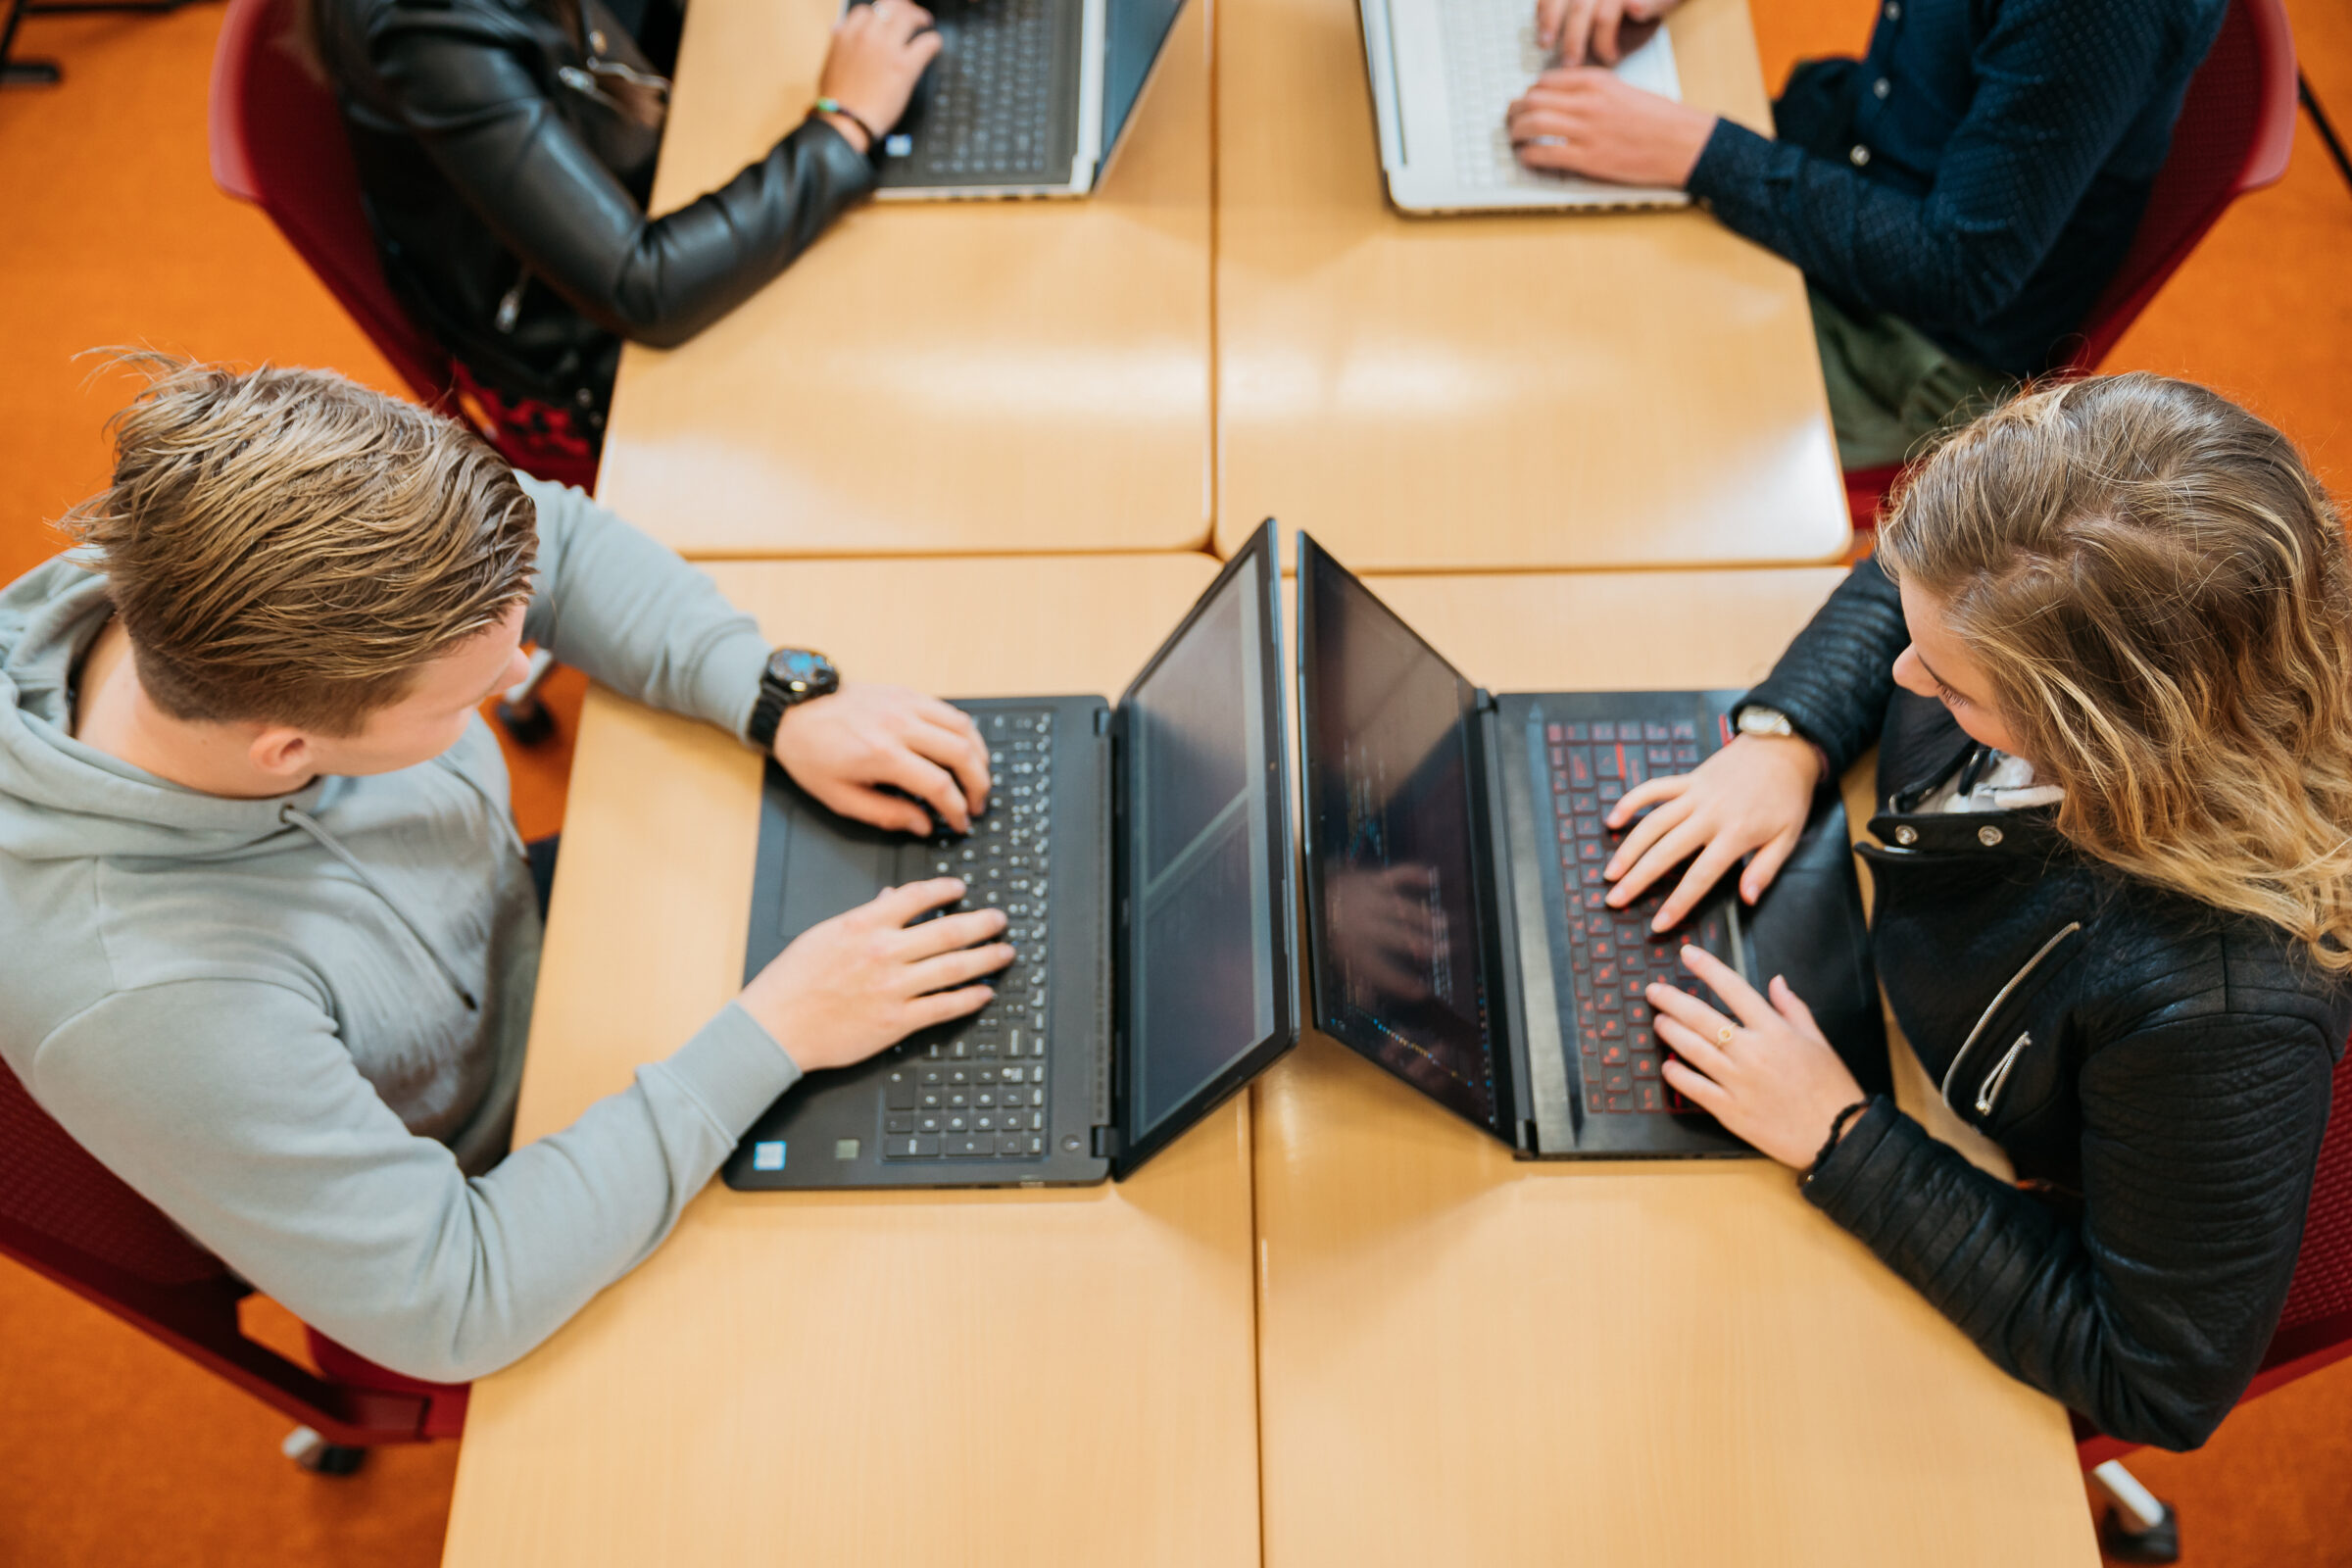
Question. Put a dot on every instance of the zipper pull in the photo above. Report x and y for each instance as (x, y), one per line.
(509, 306)
(1999, 1076)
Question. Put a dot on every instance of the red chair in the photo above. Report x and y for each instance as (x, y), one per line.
(69, 1218)
(277, 141)
(2314, 1331)
(2237, 126)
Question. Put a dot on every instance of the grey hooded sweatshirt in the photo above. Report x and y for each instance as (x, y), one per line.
(297, 1025)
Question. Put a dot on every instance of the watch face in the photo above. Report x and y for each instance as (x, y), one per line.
(803, 672)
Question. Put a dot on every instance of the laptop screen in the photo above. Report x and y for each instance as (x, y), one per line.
(1392, 874)
(1206, 859)
(1133, 32)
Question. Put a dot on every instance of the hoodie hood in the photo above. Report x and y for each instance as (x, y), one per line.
(62, 799)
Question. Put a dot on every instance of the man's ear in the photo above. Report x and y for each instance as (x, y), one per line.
(281, 752)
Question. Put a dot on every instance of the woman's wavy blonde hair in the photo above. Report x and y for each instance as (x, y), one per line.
(2158, 591)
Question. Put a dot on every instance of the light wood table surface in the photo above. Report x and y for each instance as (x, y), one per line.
(930, 377)
(1464, 1358)
(1024, 1379)
(1499, 393)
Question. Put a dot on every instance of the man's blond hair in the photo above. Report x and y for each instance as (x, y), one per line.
(289, 546)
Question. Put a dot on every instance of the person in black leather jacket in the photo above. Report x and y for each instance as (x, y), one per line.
(2105, 652)
(506, 151)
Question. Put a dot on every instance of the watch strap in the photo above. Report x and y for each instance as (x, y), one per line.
(768, 713)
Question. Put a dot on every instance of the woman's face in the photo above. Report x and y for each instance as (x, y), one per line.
(1938, 664)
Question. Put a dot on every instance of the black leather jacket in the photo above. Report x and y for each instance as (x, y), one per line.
(491, 182)
(2157, 1070)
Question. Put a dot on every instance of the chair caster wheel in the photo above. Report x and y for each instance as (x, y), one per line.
(528, 721)
(321, 1457)
(2158, 1543)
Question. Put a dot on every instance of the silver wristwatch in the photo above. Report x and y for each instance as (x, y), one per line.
(1757, 720)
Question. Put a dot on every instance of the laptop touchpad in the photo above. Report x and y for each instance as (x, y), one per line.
(830, 867)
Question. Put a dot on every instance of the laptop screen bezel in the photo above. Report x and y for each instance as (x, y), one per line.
(1264, 548)
(1321, 990)
(1108, 139)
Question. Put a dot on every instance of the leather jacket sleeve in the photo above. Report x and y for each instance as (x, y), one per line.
(1837, 677)
(488, 124)
(2201, 1127)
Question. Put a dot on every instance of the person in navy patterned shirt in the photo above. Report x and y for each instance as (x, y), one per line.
(1957, 197)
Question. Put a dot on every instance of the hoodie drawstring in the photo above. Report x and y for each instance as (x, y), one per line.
(294, 816)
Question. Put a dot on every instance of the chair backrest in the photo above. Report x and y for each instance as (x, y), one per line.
(277, 141)
(66, 1216)
(63, 1209)
(2318, 1302)
(2236, 126)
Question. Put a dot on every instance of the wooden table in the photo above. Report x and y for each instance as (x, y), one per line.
(1028, 1379)
(1500, 393)
(934, 378)
(1463, 1358)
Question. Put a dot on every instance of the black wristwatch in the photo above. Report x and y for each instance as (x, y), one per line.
(793, 676)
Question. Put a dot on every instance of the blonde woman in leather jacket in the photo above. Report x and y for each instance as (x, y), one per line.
(2105, 652)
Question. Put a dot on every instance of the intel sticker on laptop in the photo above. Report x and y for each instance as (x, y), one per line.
(769, 1156)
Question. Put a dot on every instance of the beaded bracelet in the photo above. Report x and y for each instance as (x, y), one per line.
(1837, 1131)
(834, 106)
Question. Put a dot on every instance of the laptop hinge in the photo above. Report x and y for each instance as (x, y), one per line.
(1482, 700)
(1103, 720)
(1107, 1142)
(1527, 1137)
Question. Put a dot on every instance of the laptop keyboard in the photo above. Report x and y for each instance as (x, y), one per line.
(1492, 56)
(992, 102)
(976, 1089)
(1612, 953)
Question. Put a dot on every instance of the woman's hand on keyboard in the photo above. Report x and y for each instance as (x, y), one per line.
(1582, 120)
(879, 53)
(1754, 795)
(1603, 31)
(1766, 1073)
(865, 980)
(847, 747)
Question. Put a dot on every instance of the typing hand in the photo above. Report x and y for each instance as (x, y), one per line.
(879, 53)
(1581, 120)
(865, 980)
(1610, 29)
(1754, 795)
(1775, 1081)
(848, 748)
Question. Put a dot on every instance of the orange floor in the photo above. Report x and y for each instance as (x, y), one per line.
(113, 1451)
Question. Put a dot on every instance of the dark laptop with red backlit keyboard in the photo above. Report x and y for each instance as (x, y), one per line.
(1456, 929)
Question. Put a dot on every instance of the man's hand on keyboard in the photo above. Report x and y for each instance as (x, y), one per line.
(865, 980)
(1754, 794)
(1582, 120)
(847, 747)
(1603, 31)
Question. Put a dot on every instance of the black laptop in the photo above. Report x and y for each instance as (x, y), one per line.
(1143, 854)
(1025, 98)
(1456, 929)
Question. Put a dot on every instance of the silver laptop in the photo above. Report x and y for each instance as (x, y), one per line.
(1443, 73)
(1026, 97)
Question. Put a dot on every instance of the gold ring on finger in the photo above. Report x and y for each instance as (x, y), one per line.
(1723, 1036)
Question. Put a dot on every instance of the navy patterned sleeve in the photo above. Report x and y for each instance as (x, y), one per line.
(2059, 83)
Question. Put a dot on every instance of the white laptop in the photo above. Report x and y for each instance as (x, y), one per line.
(1443, 73)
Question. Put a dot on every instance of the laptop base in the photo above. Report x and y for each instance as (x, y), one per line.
(835, 1129)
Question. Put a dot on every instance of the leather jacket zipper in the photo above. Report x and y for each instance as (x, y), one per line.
(2000, 1072)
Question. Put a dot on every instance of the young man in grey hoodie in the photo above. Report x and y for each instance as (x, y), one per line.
(267, 934)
